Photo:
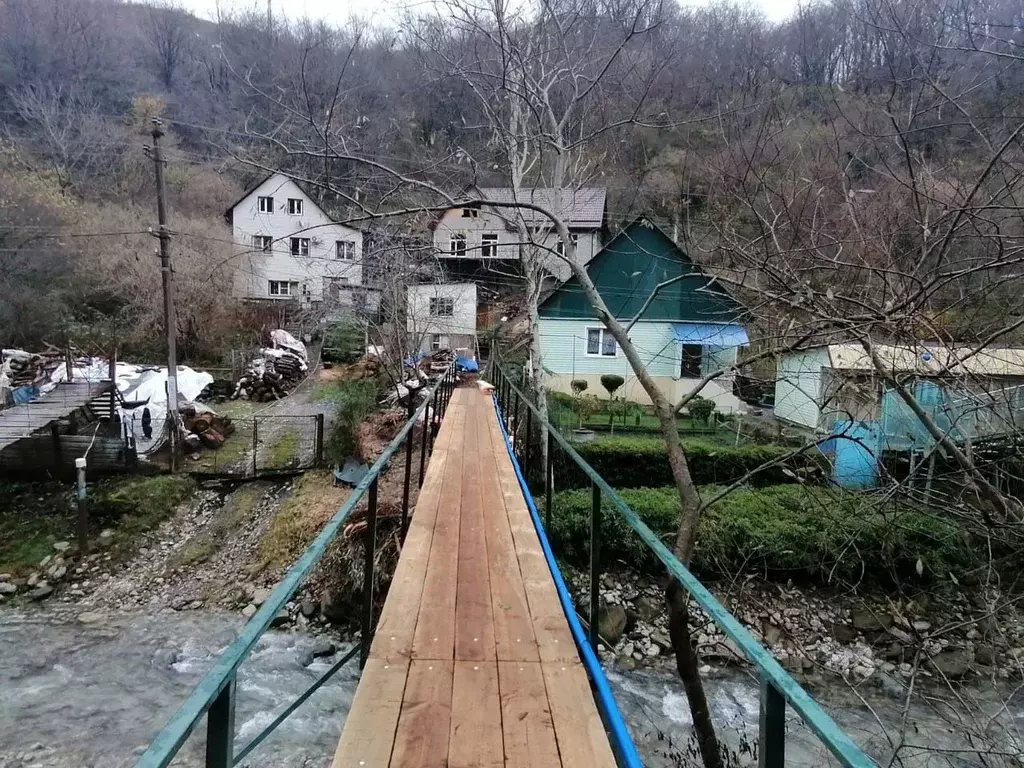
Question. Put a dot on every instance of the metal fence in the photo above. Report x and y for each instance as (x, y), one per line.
(522, 420)
(215, 695)
(263, 446)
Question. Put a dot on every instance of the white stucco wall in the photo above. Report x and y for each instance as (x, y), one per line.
(255, 268)
(798, 386)
(563, 346)
(460, 328)
(588, 242)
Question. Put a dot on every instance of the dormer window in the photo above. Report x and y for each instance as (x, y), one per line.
(470, 213)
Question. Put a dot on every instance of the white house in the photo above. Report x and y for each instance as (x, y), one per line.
(291, 249)
(688, 329)
(442, 316)
(491, 234)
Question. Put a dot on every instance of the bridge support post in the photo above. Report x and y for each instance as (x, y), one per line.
(772, 728)
(423, 447)
(408, 471)
(220, 729)
(370, 545)
(595, 564)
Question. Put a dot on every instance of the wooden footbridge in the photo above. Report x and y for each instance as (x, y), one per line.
(478, 657)
(473, 662)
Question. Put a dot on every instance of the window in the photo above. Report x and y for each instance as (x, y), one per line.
(692, 356)
(457, 244)
(600, 342)
(295, 206)
(262, 243)
(300, 246)
(266, 204)
(283, 288)
(470, 213)
(442, 307)
(560, 246)
(437, 341)
(345, 249)
(488, 245)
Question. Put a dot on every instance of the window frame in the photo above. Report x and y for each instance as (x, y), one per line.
(265, 244)
(436, 303)
(303, 242)
(685, 371)
(603, 334)
(287, 285)
(560, 246)
(489, 246)
(293, 209)
(435, 341)
(470, 213)
(265, 203)
(351, 248)
(455, 239)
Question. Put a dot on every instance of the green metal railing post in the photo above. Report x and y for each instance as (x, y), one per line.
(423, 447)
(514, 421)
(549, 479)
(220, 728)
(408, 472)
(370, 545)
(595, 564)
(430, 421)
(772, 727)
(526, 445)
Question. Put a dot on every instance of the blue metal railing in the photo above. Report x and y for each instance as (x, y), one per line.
(215, 695)
(778, 688)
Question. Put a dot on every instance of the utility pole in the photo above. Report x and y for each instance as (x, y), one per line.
(170, 318)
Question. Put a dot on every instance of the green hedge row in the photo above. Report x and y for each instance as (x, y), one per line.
(819, 533)
(626, 461)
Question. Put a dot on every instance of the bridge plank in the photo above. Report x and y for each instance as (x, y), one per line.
(435, 629)
(476, 740)
(582, 741)
(513, 627)
(370, 727)
(474, 621)
(529, 733)
(424, 723)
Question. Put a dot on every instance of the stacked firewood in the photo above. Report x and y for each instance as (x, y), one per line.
(270, 378)
(211, 429)
(24, 368)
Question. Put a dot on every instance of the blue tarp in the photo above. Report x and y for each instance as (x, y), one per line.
(710, 334)
(466, 364)
(24, 394)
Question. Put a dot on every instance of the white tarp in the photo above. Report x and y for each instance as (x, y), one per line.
(148, 388)
(285, 340)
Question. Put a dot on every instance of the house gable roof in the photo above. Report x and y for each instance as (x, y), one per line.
(627, 271)
(229, 213)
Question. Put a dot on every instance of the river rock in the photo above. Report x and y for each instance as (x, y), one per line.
(62, 546)
(41, 592)
(331, 607)
(871, 621)
(91, 617)
(249, 611)
(662, 641)
(985, 654)
(307, 608)
(59, 572)
(625, 663)
(843, 633)
(952, 664)
(648, 608)
(922, 626)
(7, 589)
(282, 618)
(612, 624)
(259, 596)
(45, 562)
(322, 647)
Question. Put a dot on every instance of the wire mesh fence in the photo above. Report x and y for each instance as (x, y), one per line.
(264, 445)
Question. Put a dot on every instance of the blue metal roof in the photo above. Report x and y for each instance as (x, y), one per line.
(710, 334)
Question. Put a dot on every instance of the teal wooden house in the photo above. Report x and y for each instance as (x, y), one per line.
(691, 327)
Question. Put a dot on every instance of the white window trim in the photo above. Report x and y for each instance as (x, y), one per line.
(560, 246)
(266, 243)
(300, 254)
(490, 244)
(457, 237)
(259, 203)
(600, 342)
(435, 301)
(288, 288)
(301, 206)
(338, 250)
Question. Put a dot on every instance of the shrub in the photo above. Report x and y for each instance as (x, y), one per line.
(611, 382)
(617, 459)
(579, 386)
(354, 401)
(788, 530)
(701, 408)
(343, 342)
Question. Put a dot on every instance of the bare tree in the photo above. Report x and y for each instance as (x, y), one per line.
(170, 31)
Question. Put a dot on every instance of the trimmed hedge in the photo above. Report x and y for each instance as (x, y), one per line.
(789, 530)
(626, 461)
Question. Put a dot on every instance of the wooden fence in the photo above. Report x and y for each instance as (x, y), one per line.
(54, 456)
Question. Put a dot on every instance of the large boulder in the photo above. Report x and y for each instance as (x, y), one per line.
(952, 664)
(612, 624)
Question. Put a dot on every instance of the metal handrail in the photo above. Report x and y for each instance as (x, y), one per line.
(215, 693)
(777, 686)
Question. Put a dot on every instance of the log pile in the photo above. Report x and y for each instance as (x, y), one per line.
(270, 378)
(210, 429)
(25, 368)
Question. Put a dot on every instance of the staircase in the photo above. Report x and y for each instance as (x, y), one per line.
(100, 406)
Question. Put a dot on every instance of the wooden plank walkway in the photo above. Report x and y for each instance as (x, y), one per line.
(20, 421)
(473, 663)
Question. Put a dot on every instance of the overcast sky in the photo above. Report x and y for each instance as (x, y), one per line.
(341, 10)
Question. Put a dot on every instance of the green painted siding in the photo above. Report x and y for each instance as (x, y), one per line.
(798, 387)
(563, 345)
(626, 272)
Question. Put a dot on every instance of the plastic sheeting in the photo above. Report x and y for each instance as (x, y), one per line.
(467, 364)
(284, 340)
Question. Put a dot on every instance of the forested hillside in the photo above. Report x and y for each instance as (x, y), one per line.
(855, 141)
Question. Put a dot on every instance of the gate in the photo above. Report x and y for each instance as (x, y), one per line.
(264, 446)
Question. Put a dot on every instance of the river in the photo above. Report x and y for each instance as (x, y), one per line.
(95, 695)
